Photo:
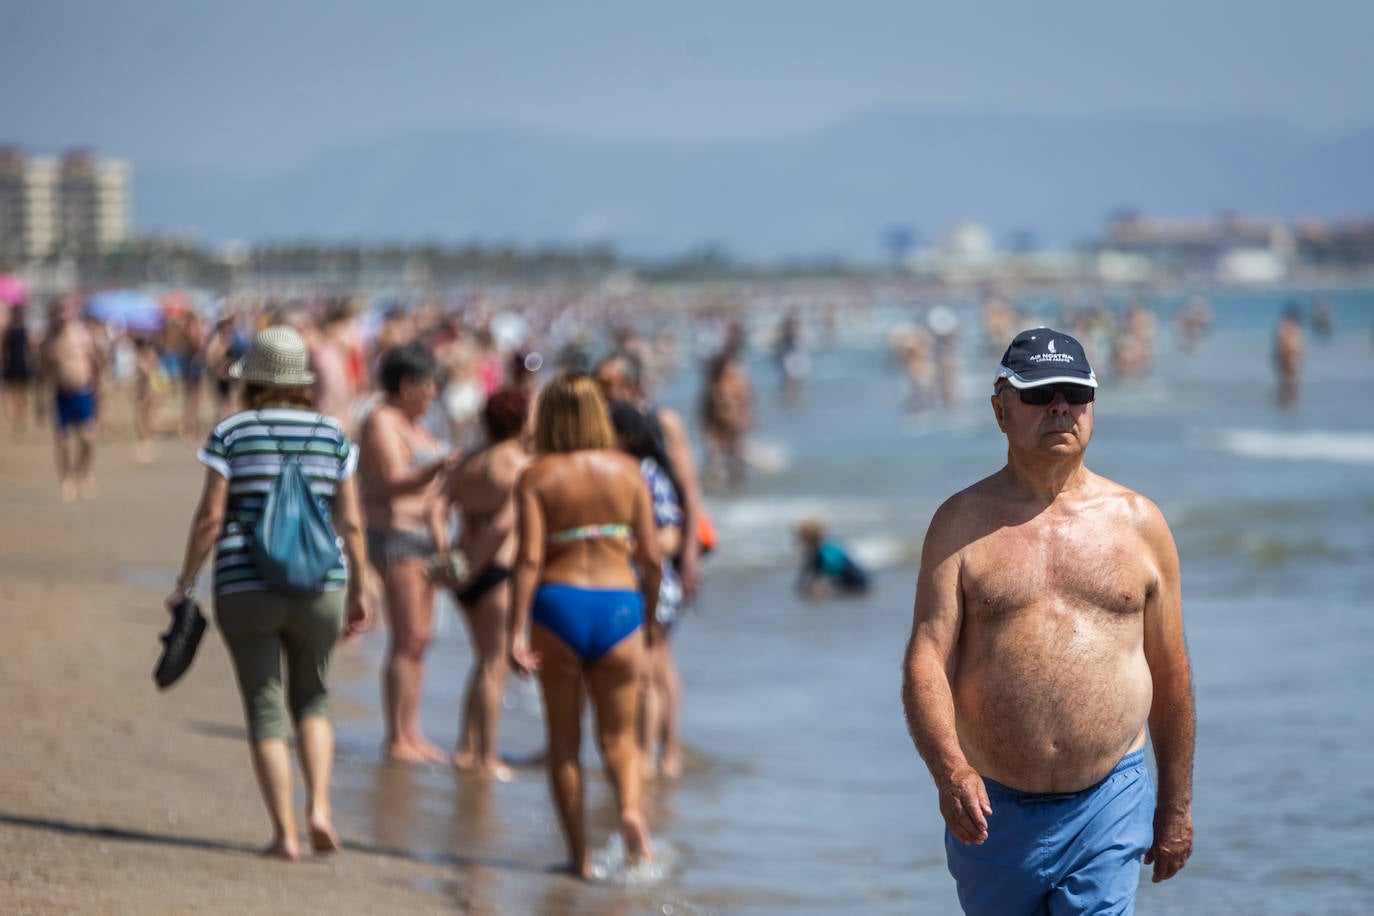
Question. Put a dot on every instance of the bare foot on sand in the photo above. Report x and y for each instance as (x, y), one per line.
(323, 839)
(87, 488)
(671, 766)
(281, 850)
(69, 491)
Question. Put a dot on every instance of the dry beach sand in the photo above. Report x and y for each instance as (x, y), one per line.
(115, 798)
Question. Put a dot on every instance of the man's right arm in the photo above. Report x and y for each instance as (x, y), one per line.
(926, 693)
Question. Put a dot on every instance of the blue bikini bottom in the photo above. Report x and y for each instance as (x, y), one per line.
(589, 621)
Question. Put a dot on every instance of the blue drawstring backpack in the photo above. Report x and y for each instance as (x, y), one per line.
(294, 543)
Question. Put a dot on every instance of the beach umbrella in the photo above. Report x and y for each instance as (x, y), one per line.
(13, 291)
(126, 307)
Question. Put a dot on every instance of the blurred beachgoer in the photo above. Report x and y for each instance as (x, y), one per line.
(637, 435)
(948, 363)
(1288, 353)
(226, 345)
(1133, 345)
(727, 415)
(909, 346)
(999, 320)
(334, 392)
(491, 368)
(585, 521)
(621, 377)
(1323, 323)
(463, 394)
(243, 456)
(18, 368)
(482, 489)
(71, 365)
(791, 359)
(151, 388)
(827, 568)
(401, 477)
(1047, 635)
(1192, 322)
(190, 342)
(397, 329)
(103, 342)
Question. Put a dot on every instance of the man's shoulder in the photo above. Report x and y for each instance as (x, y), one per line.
(1122, 497)
(990, 488)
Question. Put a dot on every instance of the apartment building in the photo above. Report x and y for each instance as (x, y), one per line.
(73, 204)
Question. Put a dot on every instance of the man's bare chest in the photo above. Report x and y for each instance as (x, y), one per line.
(1071, 569)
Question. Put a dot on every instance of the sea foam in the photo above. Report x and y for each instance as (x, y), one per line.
(1331, 446)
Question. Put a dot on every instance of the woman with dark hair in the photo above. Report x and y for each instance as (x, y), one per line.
(18, 367)
(482, 489)
(244, 455)
(402, 473)
(585, 522)
(658, 737)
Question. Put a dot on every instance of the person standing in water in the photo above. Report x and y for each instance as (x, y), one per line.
(1288, 347)
(482, 490)
(587, 578)
(401, 476)
(1047, 643)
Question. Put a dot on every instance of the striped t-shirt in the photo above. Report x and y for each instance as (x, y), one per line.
(247, 449)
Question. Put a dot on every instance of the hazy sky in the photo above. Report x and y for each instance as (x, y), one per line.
(254, 84)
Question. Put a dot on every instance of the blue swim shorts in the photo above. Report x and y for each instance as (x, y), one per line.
(75, 408)
(1077, 852)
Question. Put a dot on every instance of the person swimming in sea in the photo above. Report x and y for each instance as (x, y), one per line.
(827, 569)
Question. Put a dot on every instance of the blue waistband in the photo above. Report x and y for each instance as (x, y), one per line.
(1132, 759)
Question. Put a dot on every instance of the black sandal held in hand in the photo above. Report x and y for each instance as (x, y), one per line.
(179, 643)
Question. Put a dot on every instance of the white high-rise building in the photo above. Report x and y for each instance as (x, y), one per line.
(74, 204)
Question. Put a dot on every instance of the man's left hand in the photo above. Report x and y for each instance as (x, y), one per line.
(1173, 844)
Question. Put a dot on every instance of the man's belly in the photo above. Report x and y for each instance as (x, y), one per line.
(1046, 723)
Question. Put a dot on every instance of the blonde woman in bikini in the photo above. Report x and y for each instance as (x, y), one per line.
(587, 575)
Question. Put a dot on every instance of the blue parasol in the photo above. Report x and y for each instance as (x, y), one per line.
(126, 307)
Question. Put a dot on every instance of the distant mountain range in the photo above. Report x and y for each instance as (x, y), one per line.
(829, 193)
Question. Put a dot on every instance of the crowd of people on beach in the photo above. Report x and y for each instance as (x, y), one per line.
(519, 461)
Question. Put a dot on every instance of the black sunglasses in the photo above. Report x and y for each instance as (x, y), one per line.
(1044, 394)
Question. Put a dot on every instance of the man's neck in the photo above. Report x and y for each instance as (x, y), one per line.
(1045, 480)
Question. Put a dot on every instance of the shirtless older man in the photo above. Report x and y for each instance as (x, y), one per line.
(1047, 637)
(71, 363)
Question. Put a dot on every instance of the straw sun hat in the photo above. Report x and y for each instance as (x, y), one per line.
(277, 358)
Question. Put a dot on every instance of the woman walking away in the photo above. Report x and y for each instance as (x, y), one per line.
(585, 522)
(662, 688)
(244, 455)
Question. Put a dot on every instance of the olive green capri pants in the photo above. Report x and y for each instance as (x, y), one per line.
(259, 628)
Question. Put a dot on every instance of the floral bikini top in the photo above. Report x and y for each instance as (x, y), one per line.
(591, 532)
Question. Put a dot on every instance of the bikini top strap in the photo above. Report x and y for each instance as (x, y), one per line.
(591, 532)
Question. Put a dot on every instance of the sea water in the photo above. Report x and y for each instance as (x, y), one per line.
(802, 791)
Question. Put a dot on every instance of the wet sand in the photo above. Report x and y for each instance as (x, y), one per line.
(115, 797)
